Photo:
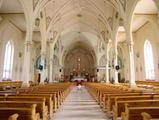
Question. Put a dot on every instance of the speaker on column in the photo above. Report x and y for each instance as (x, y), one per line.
(59, 70)
(117, 67)
(97, 70)
(40, 67)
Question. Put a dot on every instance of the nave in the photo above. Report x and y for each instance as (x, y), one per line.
(79, 105)
(110, 45)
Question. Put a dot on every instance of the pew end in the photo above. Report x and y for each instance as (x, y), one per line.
(146, 116)
(13, 117)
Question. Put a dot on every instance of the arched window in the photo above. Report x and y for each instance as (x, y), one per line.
(149, 66)
(8, 60)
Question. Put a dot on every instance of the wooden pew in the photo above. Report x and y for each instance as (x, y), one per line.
(15, 84)
(98, 90)
(13, 117)
(110, 96)
(55, 97)
(28, 100)
(134, 113)
(148, 82)
(24, 113)
(109, 99)
(113, 98)
(59, 92)
(147, 116)
(48, 97)
(119, 106)
(9, 117)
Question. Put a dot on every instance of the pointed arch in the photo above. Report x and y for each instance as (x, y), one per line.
(149, 65)
(8, 60)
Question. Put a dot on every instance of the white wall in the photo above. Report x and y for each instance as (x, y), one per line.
(9, 32)
(146, 32)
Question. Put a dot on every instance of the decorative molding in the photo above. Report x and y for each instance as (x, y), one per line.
(48, 20)
(121, 22)
(28, 45)
(123, 3)
(54, 34)
(37, 22)
(137, 55)
(35, 2)
(103, 35)
(110, 21)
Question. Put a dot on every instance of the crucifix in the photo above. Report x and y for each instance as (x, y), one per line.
(78, 65)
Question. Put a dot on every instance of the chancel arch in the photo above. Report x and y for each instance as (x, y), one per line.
(79, 62)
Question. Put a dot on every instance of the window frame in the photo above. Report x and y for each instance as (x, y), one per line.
(149, 62)
(8, 60)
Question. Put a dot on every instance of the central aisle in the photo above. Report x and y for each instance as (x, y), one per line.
(79, 105)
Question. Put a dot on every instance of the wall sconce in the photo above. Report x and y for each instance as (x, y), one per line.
(37, 22)
(137, 55)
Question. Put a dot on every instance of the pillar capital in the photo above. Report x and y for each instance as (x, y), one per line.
(51, 41)
(50, 60)
(28, 43)
(43, 53)
(130, 43)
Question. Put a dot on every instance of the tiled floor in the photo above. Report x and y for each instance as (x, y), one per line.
(79, 105)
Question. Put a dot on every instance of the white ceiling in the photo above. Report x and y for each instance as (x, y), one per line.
(143, 8)
(13, 11)
(79, 16)
(146, 7)
(138, 22)
(11, 6)
(84, 39)
(16, 19)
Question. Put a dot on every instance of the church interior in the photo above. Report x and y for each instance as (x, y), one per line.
(79, 59)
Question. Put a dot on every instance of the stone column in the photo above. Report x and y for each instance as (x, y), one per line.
(107, 65)
(43, 74)
(98, 75)
(115, 63)
(51, 62)
(26, 76)
(43, 57)
(107, 71)
(131, 60)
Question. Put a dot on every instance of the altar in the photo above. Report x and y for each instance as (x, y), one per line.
(78, 78)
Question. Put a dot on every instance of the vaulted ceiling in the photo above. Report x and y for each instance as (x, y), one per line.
(78, 21)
